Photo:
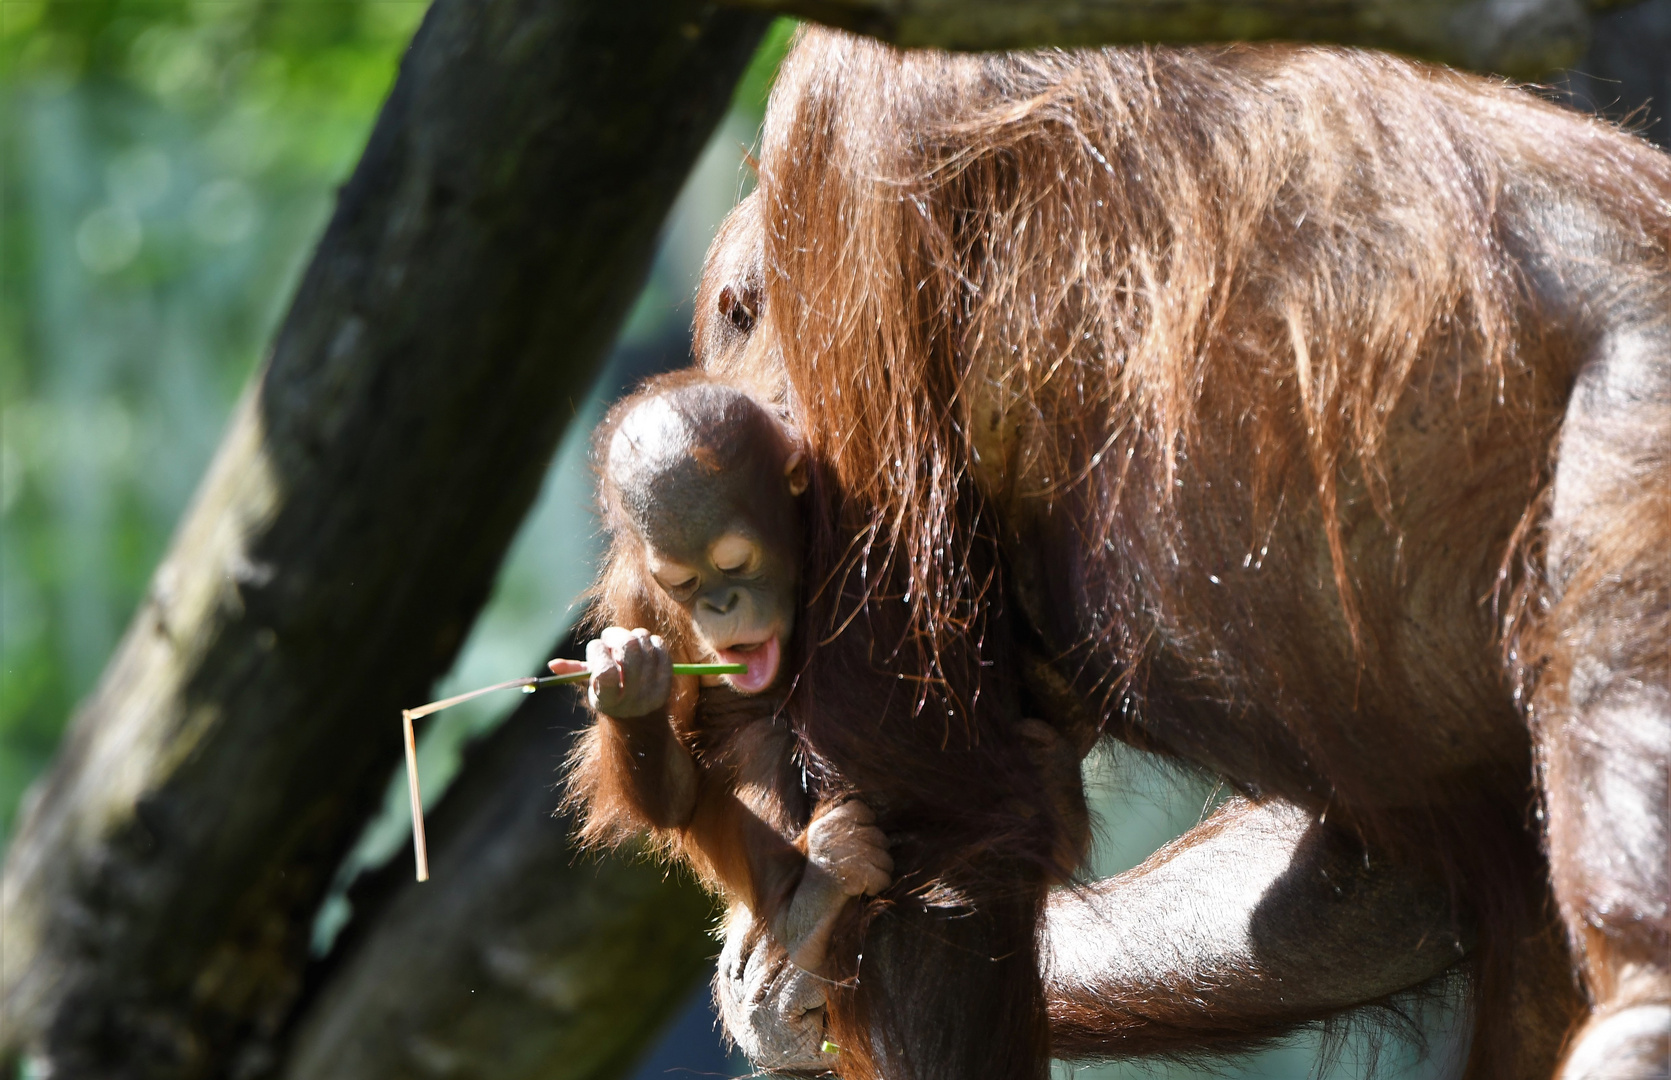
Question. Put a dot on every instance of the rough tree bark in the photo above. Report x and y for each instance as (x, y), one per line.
(518, 959)
(159, 891)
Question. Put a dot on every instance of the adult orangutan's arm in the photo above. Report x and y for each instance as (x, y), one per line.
(1255, 921)
(1258, 920)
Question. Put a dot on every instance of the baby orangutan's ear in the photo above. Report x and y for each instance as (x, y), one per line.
(795, 471)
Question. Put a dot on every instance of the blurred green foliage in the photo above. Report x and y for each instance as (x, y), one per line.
(166, 166)
(756, 83)
(164, 169)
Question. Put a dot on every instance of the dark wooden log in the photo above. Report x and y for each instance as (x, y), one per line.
(520, 957)
(1626, 74)
(1522, 39)
(159, 891)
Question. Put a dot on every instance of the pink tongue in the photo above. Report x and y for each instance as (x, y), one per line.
(762, 666)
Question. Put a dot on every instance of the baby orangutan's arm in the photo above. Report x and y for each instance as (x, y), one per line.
(633, 693)
(731, 843)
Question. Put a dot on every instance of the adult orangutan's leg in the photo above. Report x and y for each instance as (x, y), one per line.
(1602, 712)
(1257, 920)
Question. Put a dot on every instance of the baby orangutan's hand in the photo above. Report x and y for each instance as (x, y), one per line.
(847, 846)
(632, 672)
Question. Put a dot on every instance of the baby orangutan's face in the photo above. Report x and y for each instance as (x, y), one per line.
(738, 582)
(710, 484)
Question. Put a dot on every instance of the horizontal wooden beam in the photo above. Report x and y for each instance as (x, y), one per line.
(1520, 39)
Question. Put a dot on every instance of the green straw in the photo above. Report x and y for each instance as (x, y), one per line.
(678, 669)
(531, 683)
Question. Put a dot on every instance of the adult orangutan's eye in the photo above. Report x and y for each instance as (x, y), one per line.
(737, 306)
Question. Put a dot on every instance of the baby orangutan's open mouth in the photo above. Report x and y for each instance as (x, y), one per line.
(762, 658)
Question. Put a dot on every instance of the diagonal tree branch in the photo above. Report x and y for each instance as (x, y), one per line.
(519, 960)
(157, 896)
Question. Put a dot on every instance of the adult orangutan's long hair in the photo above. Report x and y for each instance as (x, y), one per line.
(1089, 253)
(997, 286)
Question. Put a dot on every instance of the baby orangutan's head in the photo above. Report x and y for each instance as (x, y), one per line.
(708, 479)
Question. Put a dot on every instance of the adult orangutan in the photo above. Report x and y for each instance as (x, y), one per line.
(1309, 413)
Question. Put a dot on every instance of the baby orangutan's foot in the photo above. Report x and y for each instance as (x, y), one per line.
(847, 856)
(846, 845)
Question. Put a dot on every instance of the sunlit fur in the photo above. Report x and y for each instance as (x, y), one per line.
(1232, 379)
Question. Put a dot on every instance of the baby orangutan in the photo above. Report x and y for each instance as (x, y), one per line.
(700, 489)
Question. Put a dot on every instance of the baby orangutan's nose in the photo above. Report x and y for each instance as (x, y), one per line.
(721, 601)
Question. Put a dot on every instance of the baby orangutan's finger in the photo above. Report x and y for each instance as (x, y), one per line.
(564, 666)
(600, 658)
(863, 875)
(631, 672)
(875, 843)
(875, 880)
(614, 637)
(876, 865)
(617, 640)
